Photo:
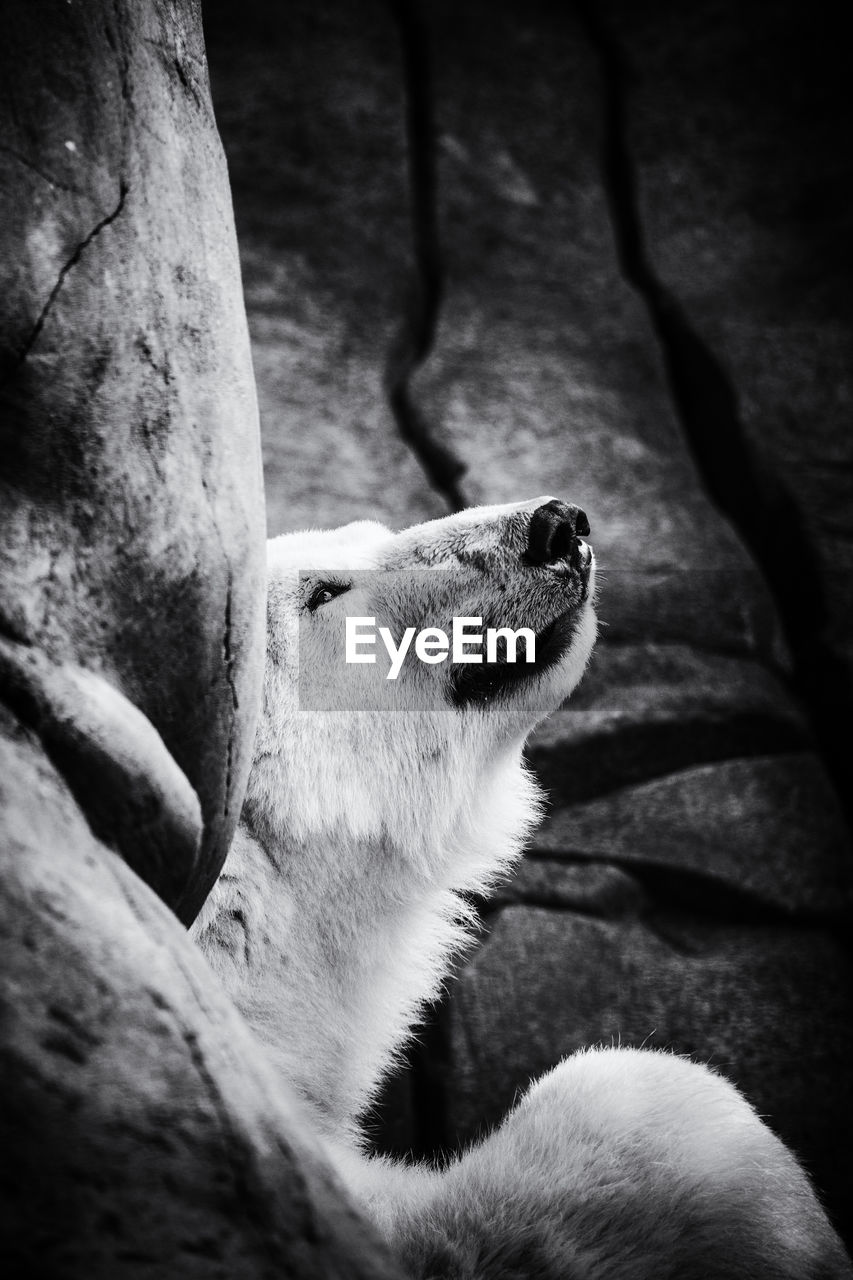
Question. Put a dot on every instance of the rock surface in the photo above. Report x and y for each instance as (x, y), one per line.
(645, 709)
(142, 1132)
(737, 125)
(131, 513)
(311, 108)
(767, 810)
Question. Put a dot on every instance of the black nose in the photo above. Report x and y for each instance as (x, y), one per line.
(553, 528)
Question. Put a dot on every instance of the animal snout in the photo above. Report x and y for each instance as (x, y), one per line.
(554, 532)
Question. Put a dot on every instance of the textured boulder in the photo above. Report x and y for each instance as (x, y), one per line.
(310, 109)
(744, 823)
(142, 1131)
(131, 513)
(737, 124)
(645, 709)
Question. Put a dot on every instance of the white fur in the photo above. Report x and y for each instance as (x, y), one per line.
(338, 914)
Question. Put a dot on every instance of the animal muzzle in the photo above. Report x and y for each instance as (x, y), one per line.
(555, 533)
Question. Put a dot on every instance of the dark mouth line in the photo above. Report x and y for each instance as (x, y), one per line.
(481, 682)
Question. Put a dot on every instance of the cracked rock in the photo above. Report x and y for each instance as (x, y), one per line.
(770, 825)
(315, 139)
(738, 130)
(131, 513)
(143, 1131)
(645, 710)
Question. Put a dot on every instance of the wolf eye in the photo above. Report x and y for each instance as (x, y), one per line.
(326, 591)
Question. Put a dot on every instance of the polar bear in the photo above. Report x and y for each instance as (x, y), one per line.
(383, 792)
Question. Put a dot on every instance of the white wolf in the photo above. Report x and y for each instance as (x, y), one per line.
(372, 805)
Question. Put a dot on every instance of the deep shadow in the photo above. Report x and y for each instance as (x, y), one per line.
(416, 335)
(753, 497)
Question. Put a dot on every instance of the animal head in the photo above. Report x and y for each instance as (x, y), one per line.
(374, 802)
(364, 747)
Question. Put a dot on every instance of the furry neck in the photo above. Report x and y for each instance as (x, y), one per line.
(331, 945)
